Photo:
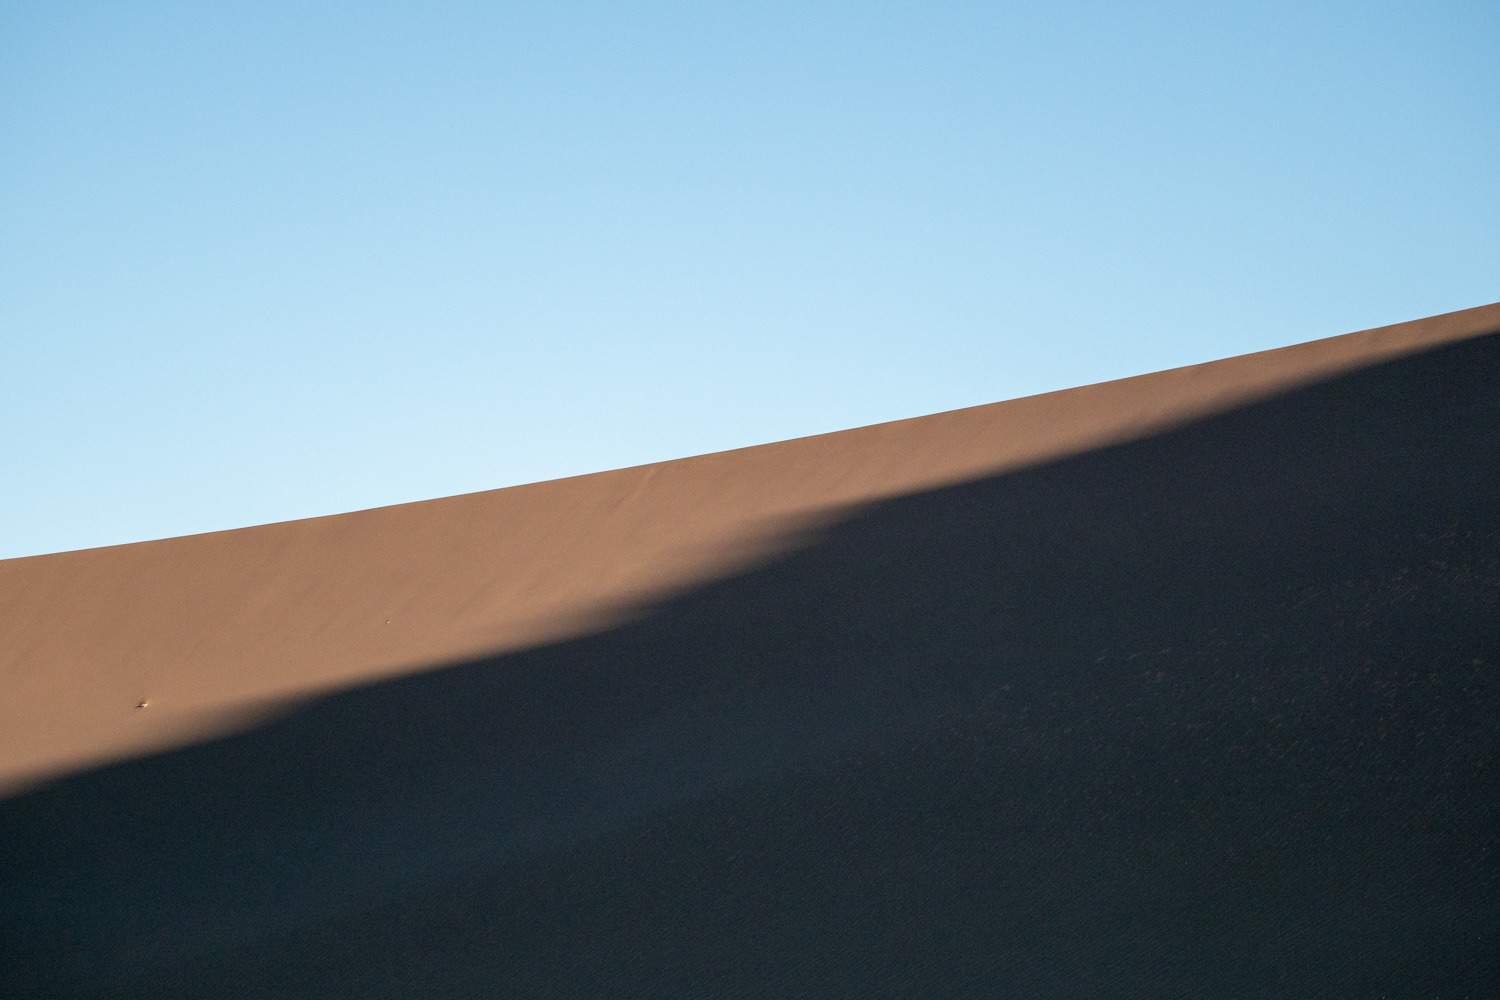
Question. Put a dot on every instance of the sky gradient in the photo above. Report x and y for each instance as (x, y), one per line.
(260, 263)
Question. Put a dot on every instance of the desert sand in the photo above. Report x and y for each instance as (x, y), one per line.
(1178, 685)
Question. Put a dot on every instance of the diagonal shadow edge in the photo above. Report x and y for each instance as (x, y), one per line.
(217, 631)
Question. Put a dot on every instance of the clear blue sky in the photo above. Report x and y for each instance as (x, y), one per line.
(262, 261)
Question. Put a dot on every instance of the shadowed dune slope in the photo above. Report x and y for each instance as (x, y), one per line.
(1200, 702)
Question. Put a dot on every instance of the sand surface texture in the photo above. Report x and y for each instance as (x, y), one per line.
(1180, 685)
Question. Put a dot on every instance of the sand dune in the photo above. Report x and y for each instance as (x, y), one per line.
(1183, 684)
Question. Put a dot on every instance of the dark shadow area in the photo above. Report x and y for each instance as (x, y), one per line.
(1210, 714)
